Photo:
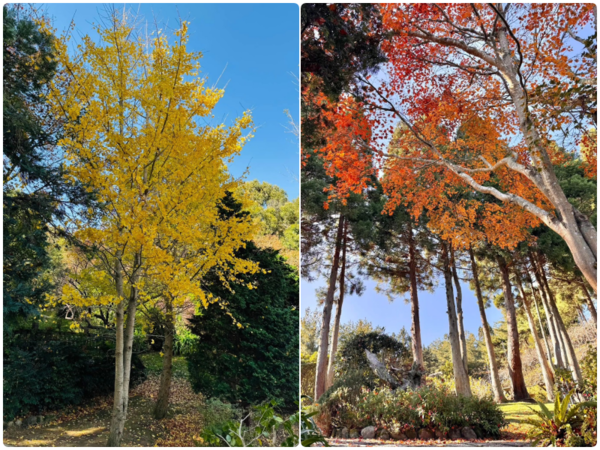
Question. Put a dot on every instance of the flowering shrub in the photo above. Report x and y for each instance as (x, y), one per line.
(429, 407)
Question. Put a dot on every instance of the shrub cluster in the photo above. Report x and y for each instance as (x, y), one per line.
(50, 371)
(398, 411)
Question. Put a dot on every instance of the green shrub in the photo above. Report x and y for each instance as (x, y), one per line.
(565, 426)
(268, 429)
(50, 371)
(428, 407)
(184, 341)
(215, 412)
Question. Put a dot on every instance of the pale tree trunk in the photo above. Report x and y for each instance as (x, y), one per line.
(515, 366)
(459, 312)
(415, 329)
(461, 379)
(321, 370)
(590, 304)
(114, 438)
(539, 317)
(546, 371)
(162, 401)
(338, 312)
(566, 339)
(129, 334)
(574, 227)
(559, 352)
(494, 374)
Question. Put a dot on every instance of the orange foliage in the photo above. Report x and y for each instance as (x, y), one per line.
(460, 127)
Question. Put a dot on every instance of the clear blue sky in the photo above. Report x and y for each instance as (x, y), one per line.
(376, 308)
(257, 45)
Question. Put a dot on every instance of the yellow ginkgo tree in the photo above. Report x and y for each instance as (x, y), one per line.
(136, 113)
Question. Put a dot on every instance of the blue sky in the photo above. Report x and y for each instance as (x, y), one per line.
(376, 308)
(257, 46)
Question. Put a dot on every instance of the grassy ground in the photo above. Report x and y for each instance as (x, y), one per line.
(515, 413)
(87, 425)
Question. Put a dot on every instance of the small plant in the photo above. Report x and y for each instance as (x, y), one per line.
(184, 341)
(562, 426)
(268, 425)
(309, 431)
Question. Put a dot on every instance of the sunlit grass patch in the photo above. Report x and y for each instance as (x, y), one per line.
(86, 432)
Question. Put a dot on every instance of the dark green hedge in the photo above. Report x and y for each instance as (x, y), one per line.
(44, 372)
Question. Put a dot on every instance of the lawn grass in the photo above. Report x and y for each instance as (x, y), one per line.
(515, 413)
(153, 362)
(518, 411)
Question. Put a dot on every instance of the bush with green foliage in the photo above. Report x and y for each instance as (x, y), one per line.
(258, 360)
(44, 372)
(352, 359)
(268, 429)
(430, 408)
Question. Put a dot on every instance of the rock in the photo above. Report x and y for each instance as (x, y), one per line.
(354, 434)
(425, 434)
(454, 434)
(410, 433)
(31, 420)
(468, 433)
(385, 435)
(18, 423)
(398, 435)
(10, 424)
(440, 434)
(344, 433)
(368, 432)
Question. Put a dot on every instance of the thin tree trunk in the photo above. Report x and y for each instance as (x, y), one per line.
(494, 374)
(321, 370)
(415, 329)
(570, 350)
(115, 434)
(162, 401)
(546, 371)
(459, 312)
(461, 378)
(338, 311)
(515, 366)
(539, 317)
(129, 334)
(559, 353)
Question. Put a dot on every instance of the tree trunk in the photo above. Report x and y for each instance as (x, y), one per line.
(114, 438)
(546, 371)
(338, 312)
(569, 349)
(459, 312)
(162, 401)
(461, 378)
(494, 375)
(415, 329)
(539, 317)
(321, 370)
(590, 304)
(559, 353)
(573, 226)
(515, 367)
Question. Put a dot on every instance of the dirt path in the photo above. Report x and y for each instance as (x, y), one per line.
(87, 426)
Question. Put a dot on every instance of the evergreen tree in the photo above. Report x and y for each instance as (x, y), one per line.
(257, 360)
